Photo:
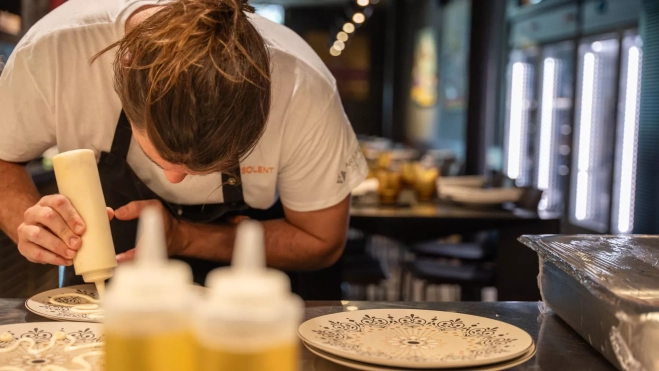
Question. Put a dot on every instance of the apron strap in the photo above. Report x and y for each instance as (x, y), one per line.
(122, 137)
(232, 188)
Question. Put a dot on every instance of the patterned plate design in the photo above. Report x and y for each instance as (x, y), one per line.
(40, 304)
(328, 362)
(23, 358)
(411, 338)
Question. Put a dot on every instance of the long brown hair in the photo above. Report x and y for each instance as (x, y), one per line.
(195, 77)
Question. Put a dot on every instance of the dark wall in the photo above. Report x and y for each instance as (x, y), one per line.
(646, 213)
(485, 78)
(411, 16)
(12, 6)
(364, 114)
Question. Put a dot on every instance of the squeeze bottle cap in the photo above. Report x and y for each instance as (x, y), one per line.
(151, 280)
(248, 289)
(249, 251)
(151, 239)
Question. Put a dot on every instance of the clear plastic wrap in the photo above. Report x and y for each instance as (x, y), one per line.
(607, 289)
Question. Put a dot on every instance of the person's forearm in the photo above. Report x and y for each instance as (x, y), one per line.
(287, 247)
(17, 194)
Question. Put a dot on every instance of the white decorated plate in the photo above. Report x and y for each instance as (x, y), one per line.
(411, 338)
(472, 181)
(35, 346)
(40, 304)
(475, 196)
(328, 362)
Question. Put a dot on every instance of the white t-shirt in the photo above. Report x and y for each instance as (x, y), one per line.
(51, 95)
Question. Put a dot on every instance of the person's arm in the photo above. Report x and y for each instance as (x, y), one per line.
(303, 241)
(17, 194)
(39, 226)
(46, 230)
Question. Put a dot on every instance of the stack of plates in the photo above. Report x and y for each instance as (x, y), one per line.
(403, 339)
(479, 197)
(472, 181)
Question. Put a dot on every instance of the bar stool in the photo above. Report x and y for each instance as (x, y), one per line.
(469, 265)
(471, 278)
(361, 269)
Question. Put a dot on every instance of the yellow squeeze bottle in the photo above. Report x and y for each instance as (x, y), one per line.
(249, 319)
(148, 307)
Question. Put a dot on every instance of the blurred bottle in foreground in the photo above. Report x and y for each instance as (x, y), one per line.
(148, 307)
(249, 319)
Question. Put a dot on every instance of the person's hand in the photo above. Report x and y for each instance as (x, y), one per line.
(133, 210)
(51, 230)
(173, 226)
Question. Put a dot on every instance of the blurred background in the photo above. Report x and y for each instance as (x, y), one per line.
(482, 120)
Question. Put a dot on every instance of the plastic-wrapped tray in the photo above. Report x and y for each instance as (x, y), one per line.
(607, 289)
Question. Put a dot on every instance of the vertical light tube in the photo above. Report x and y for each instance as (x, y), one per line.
(585, 127)
(516, 124)
(629, 143)
(547, 122)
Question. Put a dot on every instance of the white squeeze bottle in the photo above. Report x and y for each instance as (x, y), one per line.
(78, 180)
(249, 319)
(148, 307)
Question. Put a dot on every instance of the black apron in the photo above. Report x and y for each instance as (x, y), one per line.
(121, 186)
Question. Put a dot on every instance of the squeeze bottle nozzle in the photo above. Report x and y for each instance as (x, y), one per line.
(151, 238)
(152, 280)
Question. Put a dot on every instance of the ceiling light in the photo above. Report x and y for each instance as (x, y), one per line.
(358, 18)
(362, 2)
(597, 46)
(334, 52)
(342, 36)
(349, 27)
(339, 45)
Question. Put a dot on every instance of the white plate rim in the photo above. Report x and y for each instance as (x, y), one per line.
(56, 291)
(402, 364)
(530, 353)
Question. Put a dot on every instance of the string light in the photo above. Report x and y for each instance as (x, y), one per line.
(335, 52)
(349, 27)
(358, 18)
(339, 45)
(362, 2)
(342, 36)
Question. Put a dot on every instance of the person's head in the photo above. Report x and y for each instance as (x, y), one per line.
(194, 81)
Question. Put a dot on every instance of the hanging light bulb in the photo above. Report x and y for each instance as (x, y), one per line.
(342, 36)
(334, 52)
(363, 2)
(358, 18)
(339, 45)
(349, 27)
